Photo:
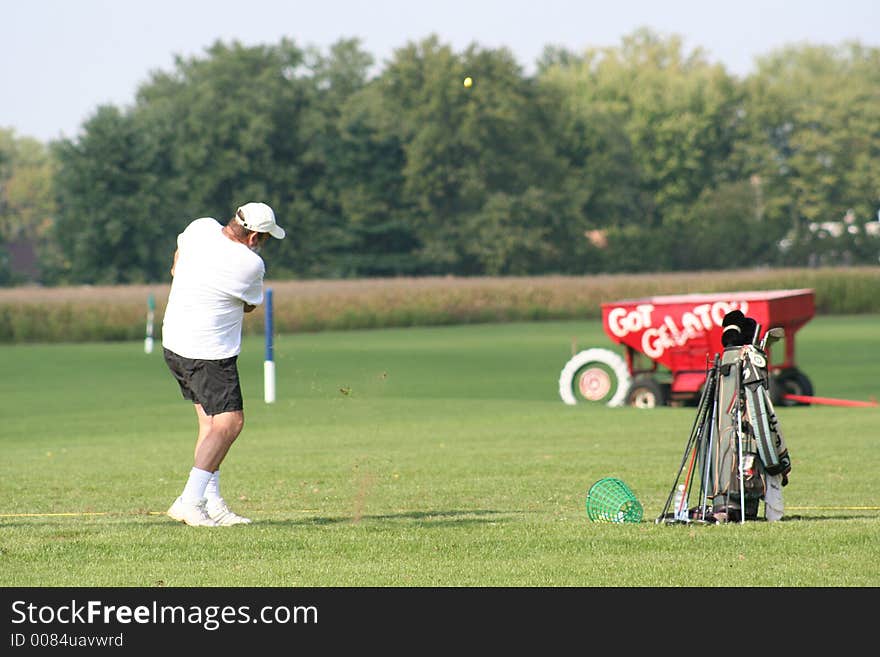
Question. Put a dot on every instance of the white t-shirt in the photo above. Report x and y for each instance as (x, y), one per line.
(213, 278)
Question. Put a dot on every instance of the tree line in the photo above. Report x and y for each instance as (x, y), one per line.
(634, 158)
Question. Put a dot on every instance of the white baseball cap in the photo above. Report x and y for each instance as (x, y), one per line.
(260, 218)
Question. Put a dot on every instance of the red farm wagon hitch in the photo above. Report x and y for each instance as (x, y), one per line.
(669, 341)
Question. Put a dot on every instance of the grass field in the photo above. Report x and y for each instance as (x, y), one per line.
(413, 457)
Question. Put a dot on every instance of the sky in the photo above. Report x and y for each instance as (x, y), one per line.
(62, 59)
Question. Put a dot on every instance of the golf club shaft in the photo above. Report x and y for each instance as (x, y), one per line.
(707, 454)
(695, 431)
(739, 440)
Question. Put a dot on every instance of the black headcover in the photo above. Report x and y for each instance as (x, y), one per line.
(731, 331)
(737, 329)
(749, 326)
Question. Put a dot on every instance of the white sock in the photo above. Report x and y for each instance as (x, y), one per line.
(212, 491)
(196, 484)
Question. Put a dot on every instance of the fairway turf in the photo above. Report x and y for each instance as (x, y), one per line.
(413, 457)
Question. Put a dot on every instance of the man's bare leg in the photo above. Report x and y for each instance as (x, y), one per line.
(215, 437)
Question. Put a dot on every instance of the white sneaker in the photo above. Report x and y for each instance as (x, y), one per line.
(220, 513)
(193, 514)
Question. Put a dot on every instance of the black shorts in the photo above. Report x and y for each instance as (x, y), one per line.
(212, 383)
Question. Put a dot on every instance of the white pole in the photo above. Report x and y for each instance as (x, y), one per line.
(269, 381)
(148, 340)
(269, 363)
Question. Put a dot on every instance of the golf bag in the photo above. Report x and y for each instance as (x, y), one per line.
(736, 448)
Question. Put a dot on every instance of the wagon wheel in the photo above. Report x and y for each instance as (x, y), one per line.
(791, 381)
(595, 375)
(645, 392)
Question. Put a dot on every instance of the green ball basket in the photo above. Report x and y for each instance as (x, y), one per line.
(611, 500)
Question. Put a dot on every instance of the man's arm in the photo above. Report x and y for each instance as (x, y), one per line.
(174, 264)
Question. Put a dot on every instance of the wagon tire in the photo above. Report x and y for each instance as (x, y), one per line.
(790, 381)
(595, 376)
(646, 392)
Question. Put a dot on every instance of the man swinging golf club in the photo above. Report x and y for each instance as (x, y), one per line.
(217, 277)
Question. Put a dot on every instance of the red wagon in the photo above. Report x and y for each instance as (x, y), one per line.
(669, 342)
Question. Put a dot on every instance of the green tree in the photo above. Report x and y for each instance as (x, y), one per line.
(105, 228)
(259, 123)
(27, 205)
(472, 156)
(649, 128)
(591, 136)
(26, 202)
(367, 172)
(237, 125)
(723, 229)
(814, 119)
(361, 163)
(638, 157)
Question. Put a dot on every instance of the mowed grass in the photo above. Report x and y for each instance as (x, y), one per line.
(413, 457)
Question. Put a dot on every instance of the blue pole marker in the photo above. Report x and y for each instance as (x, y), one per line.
(269, 362)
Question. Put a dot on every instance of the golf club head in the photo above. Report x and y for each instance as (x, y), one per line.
(756, 335)
(772, 335)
